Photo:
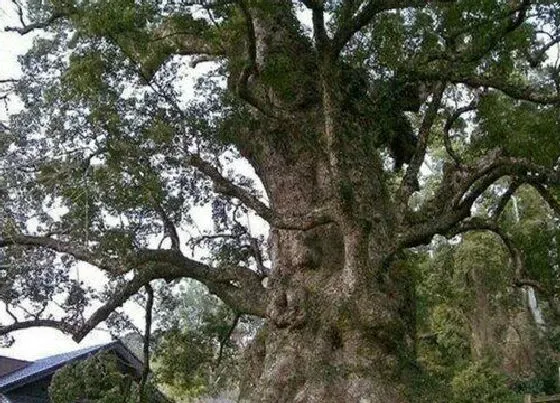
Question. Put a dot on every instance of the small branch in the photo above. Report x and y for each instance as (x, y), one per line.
(411, 176)
(225, 339)
(227, 188)
(447, 127)
(25, 29)
(202, 59)
(366, 16)
(147, 332)
(514, 19)
(504, 200)
(9, 312)
(169, 230)
(19, 11)
(548, 197)
(261, 268)
(540, 55)
(58, 246)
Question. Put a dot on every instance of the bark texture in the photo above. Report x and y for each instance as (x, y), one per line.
(340, 312)
(340, 317)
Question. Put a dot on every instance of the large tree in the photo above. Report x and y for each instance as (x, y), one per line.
(336, 120)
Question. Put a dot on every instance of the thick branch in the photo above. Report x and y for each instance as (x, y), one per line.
(318, 19)
(492, 169)
(71, 249)
(480, 224)
(514, 90)
(238, 287)
(55, 324)
(225, 187)
(516, 258)
(251, 67)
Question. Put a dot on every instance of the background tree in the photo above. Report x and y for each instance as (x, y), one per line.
(107, 137)
(481, 336)
(100, 378)
(198, 343)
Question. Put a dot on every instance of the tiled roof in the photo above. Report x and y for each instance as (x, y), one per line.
(9, 365)
(46, 366)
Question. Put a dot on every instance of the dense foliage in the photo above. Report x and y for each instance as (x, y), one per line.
(159, 140)
(198, 343)
(100, 378)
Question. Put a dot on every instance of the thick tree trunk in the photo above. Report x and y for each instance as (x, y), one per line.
(340, 326)
(340, 316)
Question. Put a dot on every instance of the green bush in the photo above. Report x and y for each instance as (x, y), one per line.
(479, 382)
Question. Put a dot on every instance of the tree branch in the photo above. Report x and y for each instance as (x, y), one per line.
(517, 259)
(504, 200)
(366, 16)
(479, 224)
(251, 67)
(238, 287)
(169, 229)
(450, 121)
(457, 193)
(540, 55)
(55, 324)
(519, 91)
(146, 350)
(411, 176)
(226, 338)
(227, 188)
(322, 40)
(25, 29)
(68, 248)
(547, 196)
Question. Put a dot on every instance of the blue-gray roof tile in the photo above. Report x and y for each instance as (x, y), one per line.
(46, 366)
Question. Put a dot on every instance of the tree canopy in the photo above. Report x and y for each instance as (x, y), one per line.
(365, 129)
